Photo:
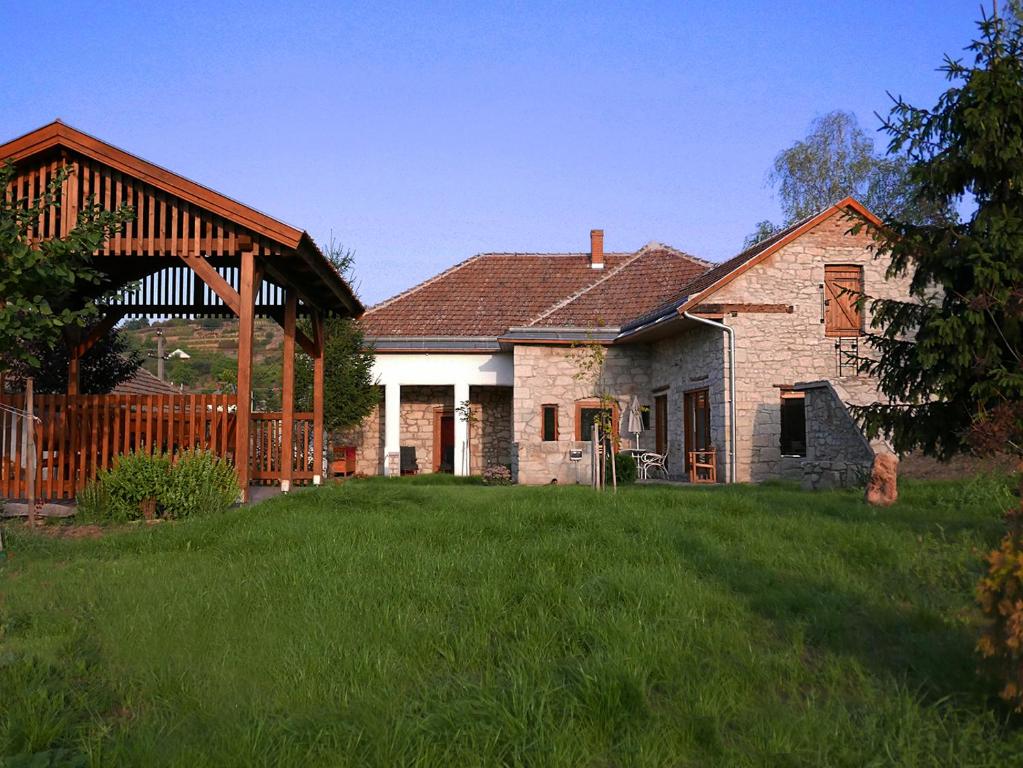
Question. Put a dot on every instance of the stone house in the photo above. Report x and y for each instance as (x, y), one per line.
(483, 364)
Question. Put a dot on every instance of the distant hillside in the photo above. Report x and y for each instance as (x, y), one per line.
(212, 344)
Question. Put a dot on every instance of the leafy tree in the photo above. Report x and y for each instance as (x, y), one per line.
(951, 360)
(349, 392)
(41, 282)
(110, 361)
(838, 159)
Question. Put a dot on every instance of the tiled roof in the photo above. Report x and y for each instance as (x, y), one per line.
(706, 279)
(487, 294)
(145, 383)
(647, 280)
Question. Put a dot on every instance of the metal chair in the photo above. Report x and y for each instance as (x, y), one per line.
(657, 461)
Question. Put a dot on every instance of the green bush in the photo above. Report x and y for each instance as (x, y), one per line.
(200, 483)
(625, 468)
(138, 477)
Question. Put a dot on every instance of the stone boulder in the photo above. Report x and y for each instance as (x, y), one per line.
(882, 486)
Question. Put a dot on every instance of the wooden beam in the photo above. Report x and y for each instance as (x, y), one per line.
(279, 277)
(318, 399)
(307, 344)
(246, 323)
(101, 329)
(724, 309)
(288, 393)
(218, 284)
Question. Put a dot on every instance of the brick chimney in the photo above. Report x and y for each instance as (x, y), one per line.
(597, 248)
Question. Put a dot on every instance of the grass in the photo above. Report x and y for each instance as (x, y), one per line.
(443, 624)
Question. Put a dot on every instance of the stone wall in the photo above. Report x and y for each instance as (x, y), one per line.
(690, 361)
(489, 438)
(779, 349)
(837, 453)
(549, 375)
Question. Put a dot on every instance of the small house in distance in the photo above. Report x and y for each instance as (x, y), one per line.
(746, 364)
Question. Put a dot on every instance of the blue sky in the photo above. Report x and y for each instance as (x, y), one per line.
(421, 134)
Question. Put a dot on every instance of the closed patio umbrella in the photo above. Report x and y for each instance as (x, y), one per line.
(635, 418)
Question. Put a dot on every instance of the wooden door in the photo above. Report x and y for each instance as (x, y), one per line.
(661, 424)
(841, 314)
(696, 422)
(443, 441)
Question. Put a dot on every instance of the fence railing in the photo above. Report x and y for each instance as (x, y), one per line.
(77, 436)
(265, 446)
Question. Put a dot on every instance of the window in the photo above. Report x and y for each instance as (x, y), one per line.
(842, 286)
(793, 423)
(586, 411)
(549, 423)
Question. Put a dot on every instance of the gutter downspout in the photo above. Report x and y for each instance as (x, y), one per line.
(731, 386)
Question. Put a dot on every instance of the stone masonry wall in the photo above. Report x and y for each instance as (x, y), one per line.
(774, 350)
(690, 361)
(837, 454)
(548, 375)
(489, 438)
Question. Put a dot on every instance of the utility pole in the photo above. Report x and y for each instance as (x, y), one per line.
(160, 341)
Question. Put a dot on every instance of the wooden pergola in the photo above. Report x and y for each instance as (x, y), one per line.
(188, 251)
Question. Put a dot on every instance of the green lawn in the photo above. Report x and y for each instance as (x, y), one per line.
(414, 623)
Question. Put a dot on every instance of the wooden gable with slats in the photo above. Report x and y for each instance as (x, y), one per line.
(175, 220)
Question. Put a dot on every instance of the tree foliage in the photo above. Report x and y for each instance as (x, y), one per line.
(110, 361)
(42, 282)
(349, 391)
(950, 358)
(838, 159)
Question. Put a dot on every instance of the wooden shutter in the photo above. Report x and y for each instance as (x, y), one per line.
(841, 315)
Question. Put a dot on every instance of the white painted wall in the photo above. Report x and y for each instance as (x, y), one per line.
(450, 370)
(492, 369)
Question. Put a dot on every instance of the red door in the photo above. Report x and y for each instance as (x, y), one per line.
(444, 445)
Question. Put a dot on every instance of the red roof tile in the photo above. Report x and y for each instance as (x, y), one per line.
(145, 383)
(487, 294)
(651, 277)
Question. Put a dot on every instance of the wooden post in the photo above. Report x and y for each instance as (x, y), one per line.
(246, 323)
(288, 392)
(73, 368)
(30, 451)
(319, 342)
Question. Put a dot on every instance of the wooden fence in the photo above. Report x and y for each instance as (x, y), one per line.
(265, 447)
(79, 435)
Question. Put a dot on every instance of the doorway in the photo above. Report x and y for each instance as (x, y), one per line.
(661, 424)
(696, 412)
(443, 440)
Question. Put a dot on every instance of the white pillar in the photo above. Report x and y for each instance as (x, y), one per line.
(461, 430)
(392, 429)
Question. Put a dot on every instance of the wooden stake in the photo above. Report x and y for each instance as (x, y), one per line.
(30, 451)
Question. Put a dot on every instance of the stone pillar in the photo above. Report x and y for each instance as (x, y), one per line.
(461, 430)
(392, 430)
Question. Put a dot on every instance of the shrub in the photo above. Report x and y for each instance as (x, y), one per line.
(117, 494)
(200, 483)
(1000, 594)
(625, 468)
(497, 474)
